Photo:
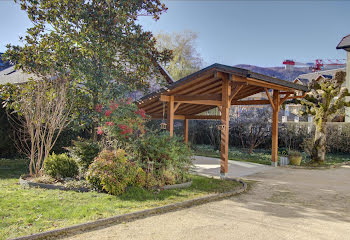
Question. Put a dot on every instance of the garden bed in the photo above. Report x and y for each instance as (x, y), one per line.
(26, 211)
(26, 181)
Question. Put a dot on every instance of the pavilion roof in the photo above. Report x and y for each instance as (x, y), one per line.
(207, 84)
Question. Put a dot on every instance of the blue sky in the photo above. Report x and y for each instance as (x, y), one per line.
(262, 33)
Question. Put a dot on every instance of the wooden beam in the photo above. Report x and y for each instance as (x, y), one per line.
(195, 99)
(284, 98)
(269, 97)
(203, 102)
(164, 98)
(225, 118)
(193, 82)
(215, 97)
(170, 116)
(259, 83)
(186, 131)
(276, 102)
(160, 116)
(177, 105)
(235, 91)
(250, 102)
(203, 117)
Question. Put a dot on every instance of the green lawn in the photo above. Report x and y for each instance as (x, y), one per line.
(27, 211)
(261, 156)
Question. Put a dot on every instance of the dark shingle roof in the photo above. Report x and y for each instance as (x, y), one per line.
(344, 43)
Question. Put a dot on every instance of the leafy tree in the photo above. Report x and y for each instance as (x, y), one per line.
(186, 59)
(325, 99)
(99, 43)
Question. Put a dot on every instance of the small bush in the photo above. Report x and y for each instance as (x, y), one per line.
(167, 158)
(84, 152)
(61, 166)
(113, 172)
(294, 153)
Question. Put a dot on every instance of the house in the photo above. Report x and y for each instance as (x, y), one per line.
(345, 45)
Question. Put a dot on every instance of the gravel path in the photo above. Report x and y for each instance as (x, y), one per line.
(282, 204)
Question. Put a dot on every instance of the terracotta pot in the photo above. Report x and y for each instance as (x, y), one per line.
(295, 160)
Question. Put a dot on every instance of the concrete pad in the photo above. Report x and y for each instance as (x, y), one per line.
(209, 166)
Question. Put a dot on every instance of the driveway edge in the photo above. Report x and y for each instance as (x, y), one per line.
(72, 230)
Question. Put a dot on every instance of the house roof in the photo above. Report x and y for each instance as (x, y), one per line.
(207, 82)
(308, 77)
(344, 43)
(10, 75)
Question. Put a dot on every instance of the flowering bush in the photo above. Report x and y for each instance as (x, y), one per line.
(121, 121)
(113, 172)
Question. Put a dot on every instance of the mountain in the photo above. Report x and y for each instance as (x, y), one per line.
(278, 72)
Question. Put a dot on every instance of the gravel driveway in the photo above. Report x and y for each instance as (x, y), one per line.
(281, 204)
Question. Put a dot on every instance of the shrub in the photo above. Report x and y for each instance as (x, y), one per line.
(84, 152)
(61, 166)
(113, 172)
(161, 154)
(294, 153)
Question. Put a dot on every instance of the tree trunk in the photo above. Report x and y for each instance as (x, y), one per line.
(319, 147)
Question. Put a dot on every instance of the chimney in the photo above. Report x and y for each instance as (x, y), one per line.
(345, 44)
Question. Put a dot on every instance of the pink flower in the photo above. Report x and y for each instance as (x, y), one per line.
(98, 108)
(99, 131)
(109, 123)
(113, 106)
(108, 113)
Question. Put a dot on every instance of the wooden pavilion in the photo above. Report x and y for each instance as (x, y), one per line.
(219, 86)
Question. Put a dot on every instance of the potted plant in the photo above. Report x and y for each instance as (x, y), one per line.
(284, 157)
(295, 157)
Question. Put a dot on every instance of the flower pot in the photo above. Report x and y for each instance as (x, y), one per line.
(284, 161)
(295, 160)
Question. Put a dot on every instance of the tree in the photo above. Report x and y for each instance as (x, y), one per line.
(99, 43)
(43, 111)
(186, 59)
(325, 99)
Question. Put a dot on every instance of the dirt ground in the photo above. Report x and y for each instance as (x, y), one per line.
(281, 204)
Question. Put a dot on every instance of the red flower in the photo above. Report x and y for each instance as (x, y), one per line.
(99, 131)
(108, 113)
(129, 100)
(141, 112)
(98, 108)
(113, 106)
(109, 123)
(125, 129)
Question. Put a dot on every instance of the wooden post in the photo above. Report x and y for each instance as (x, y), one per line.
(275, 107)
(225, 118)
(170, 116)
(186, 131)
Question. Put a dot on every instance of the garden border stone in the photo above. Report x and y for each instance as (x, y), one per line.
(106, 222)
(27, 183)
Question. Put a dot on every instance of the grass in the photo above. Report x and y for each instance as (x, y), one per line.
(27, 211)
(258, 156)
(262, 156)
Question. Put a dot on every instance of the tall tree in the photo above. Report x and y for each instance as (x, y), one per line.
(186, 59)
(325, 99)
(99, 43)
